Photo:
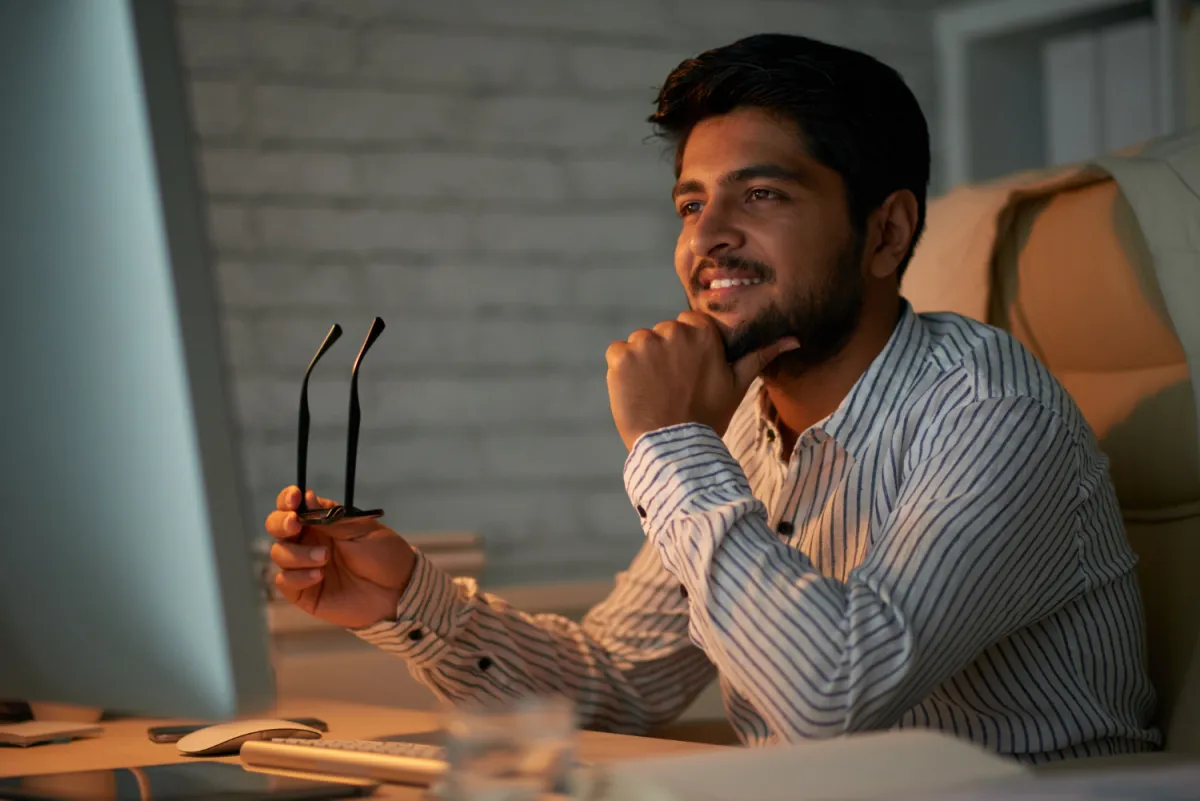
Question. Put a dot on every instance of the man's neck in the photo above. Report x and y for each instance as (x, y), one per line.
(801, 401)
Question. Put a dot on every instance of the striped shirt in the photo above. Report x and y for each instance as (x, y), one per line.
(944, 550)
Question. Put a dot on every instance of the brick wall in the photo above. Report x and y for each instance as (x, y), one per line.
(476, 173)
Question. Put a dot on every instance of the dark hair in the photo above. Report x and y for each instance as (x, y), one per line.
(855, 114)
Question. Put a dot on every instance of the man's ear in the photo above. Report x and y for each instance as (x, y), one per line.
(892, 227)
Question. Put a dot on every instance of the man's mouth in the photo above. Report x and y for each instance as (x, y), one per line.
(721, 281)
(719, 290)
(729, 283)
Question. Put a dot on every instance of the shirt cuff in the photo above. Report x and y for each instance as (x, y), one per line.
(425, 616)
(681, 470)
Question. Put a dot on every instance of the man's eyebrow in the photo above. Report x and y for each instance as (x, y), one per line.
(741, 176)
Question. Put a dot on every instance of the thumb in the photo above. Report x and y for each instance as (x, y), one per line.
(747, 368)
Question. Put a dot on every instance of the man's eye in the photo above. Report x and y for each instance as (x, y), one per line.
(763, 194)
(690, 207)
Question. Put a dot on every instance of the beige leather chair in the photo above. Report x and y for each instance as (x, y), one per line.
(1070, 275)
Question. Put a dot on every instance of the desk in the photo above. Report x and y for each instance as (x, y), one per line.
(124, 742)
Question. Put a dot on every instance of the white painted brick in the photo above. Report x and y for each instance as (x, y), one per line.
(359, 230)
(560, 122)
(273, 404)
(283, 342)
(459, 176)
(561, 558)
(453, 60)
(353, 115)
(229, 171)
(313, 174)
(467, 287)
(513, 514)
(870, 27)
(723, 23)
(249, 172)
(576, 234)
(249, 286)
(211, 6)
(296, 113)
(647, 175)
(302, 46)
(529, 535)
(639, 18)
(499, 401)
(553, 455)
(611, 515)
(505, 342)
(229, 226)
(217, 108)
(383, 461)
(650, 286)
(212, 41)
(637, 71)
(240, 343)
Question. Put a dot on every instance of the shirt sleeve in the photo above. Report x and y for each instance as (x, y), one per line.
(629, 666)
(983, 539)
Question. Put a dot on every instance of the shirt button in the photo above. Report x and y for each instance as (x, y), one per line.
(641, 511)
(770, 435)
(415, 635)
(485, 662)
(683, 590)
(785, 528)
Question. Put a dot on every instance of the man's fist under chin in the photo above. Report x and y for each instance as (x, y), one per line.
(677, 373)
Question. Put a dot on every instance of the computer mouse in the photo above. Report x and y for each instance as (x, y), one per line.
(221, 739)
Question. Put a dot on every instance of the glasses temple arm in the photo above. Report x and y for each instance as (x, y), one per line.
(302, 434)
(377, 327)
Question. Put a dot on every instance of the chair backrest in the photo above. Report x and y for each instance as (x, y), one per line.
(1072, 278)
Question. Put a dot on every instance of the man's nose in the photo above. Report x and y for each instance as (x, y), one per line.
(714, 232)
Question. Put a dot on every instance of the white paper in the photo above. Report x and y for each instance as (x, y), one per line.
(874, 765)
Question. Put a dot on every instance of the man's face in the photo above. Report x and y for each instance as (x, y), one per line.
(766, 247)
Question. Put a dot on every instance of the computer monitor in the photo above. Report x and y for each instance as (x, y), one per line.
(126, 579)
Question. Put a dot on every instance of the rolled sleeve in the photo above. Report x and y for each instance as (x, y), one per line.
(679, 471)
(425, 617)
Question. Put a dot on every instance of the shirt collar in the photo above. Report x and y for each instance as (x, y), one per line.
(866, 406)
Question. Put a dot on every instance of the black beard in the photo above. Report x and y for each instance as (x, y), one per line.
(822, 319)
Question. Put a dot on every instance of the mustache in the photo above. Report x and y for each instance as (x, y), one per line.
(759, 269)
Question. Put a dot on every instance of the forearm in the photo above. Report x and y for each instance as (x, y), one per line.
(465, 645)
(776, 629)
(948, 574)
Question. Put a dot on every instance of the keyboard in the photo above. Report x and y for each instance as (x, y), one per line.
(397, 762)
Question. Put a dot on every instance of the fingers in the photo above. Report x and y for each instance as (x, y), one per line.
(667, 329)
(640, 336)
(288, 499)
(746, 369)
(283, 525)
(291, 582)
(697, 320)
(615, 353)
(313, 502)
(294, 556)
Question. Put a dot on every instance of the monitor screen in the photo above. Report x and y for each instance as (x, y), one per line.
(126, 579)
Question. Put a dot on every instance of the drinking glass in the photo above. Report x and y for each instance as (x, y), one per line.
(518, 751)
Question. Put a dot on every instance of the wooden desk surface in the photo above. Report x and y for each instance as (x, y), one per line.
(124, 742)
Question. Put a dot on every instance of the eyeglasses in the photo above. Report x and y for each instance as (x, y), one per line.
(347, 510)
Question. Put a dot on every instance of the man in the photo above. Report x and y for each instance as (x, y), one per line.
(856, 516)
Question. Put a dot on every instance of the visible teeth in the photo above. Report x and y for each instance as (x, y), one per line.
(725, 283)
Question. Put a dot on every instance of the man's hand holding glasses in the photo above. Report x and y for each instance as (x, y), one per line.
(337, 562)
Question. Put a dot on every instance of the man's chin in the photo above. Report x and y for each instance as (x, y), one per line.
(728, 321)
